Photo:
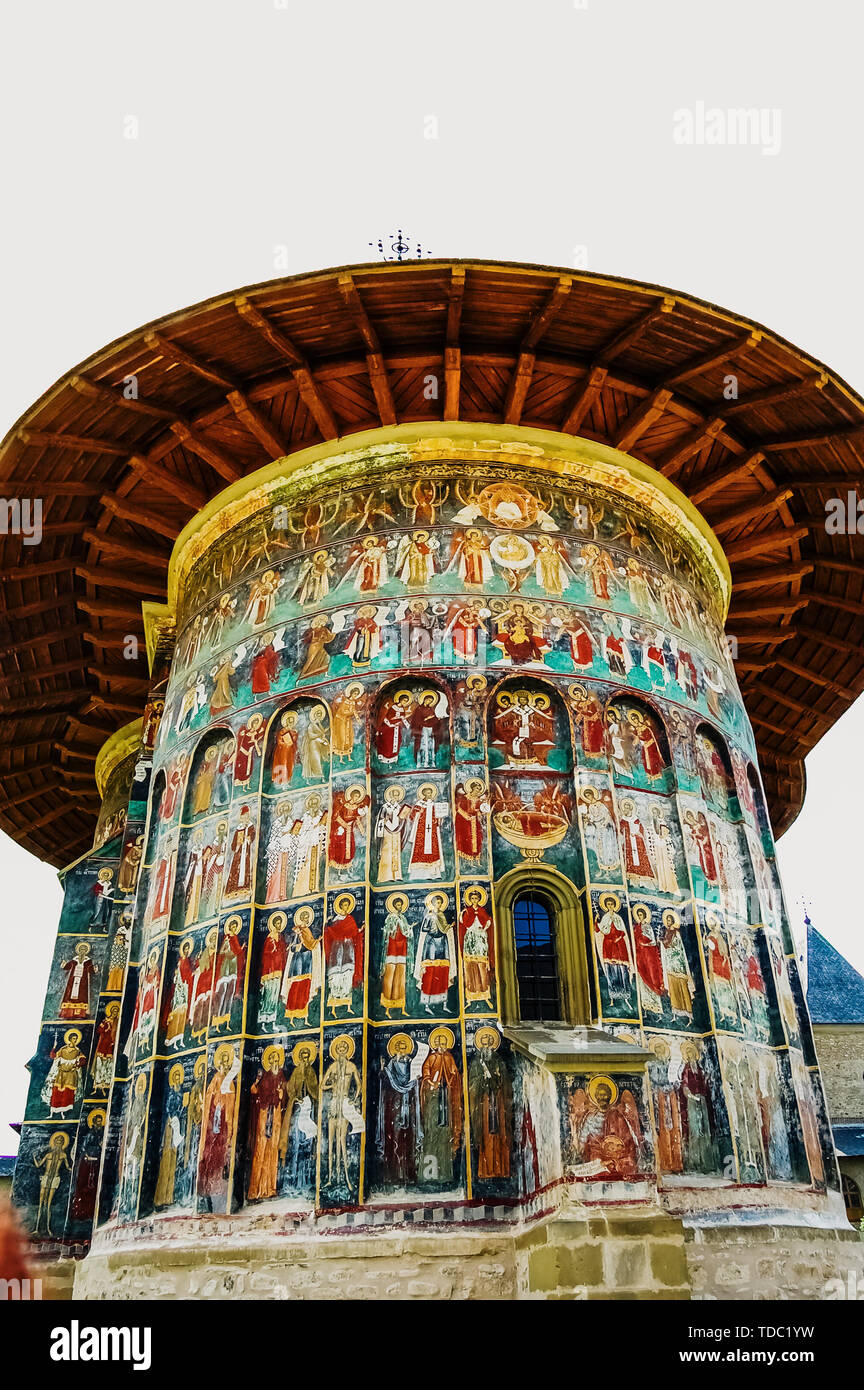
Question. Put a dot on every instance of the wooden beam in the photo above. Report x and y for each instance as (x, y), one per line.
(768, 608)
(823, 562)
(763, 636)
(56, 668)
(582, 400)
(520, 381)
(452, 350)
(110, 608)
(816, 678)
(300, 369)
(79, 442)
(690, 445)
(722, 477)
(140, 516)
(716, 357)
(32, 610)
(769, 575)
(206, 370)
(37, 703)
(121, 579)
(641, 419)
(628, 336)
(811, 441)
(37, 568)
(761, 688)
(112, 639)
(775, 728)
(99, 702)
(763, 543)
(10, 803)
(49, 487)
(783, 391)
(52, 635)
(221, 463)
(85, 754)
(49, 816)
(127, 549)
(842, 605)
(170, 483)
(374, 357)
(826, 639)
(258, 425)
(737, 515)
(111, 395)
(115, 676)
(8, 774)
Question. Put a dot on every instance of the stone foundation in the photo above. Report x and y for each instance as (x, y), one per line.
(775, 1262)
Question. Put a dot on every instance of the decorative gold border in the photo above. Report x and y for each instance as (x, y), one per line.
(508, 444)
(121, 743)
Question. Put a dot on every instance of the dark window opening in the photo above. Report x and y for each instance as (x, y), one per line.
(852, 1198)
(536, 959)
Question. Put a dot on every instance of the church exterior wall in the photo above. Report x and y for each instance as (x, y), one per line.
(400, 684)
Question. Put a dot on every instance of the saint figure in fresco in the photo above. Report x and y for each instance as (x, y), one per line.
(349, 809)
(314, 745)
(146, 1004)
(285, 752)
(267, 1107)
(423, 821)
(470, 557)
(316, 639)
(588, 717)
(599, 570)
(202, 794)
(201, 990)
(274, 954)
(313, 579)
(265, 668)
(440, 1112)
(649, 960)
(301, 979)
(720, 971)
(699, 835)
(435, 962)
(616, 960)
(129, 865)
(465, 622)
(368, 565)
(650, 752)
(64, 1083)
(218, 1123)
(52, 1163)
(428, 728)
(345, 713)
(262, 599)
(635, 840)
(517, 635)
(472, 807)
(343, 954)
(82, 1207)
(598, 825)
(249, 739)
(241, 863)
(415, 559)
(178, 999)
(230, 966)
(103, 1055)
(343, 1090)
(392, 729)
(397, 940)
(477, 945)
(524, 727)
(364, 642)
(309, 833)
(399, 1129)
(605, 1128)
(299, 1132)
(490, 1098)
(117, 957)
(80, 973)
(698, 1117)
(676, 967)
(172, 1138)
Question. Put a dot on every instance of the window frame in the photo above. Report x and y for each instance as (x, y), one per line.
(568, 927)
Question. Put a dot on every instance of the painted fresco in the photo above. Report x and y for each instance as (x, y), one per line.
(280, 979)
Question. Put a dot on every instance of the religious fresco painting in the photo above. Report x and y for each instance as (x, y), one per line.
(296, 973)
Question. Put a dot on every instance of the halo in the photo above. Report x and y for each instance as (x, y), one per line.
(72, 1035)
(597, 1081)
(279, 920)
(400, 694)
(628, 801)
(443, 1035)
(395, 898)
(476, 782)
(187, 941)
(661, 1049)
(577, 692)
(274, 1050)
(320, 555)
(224, 1050)
(355, 787)
(354, 689)
(106, 875)
(303, 917)
(670, 918)
(475, 888)
(589, 794)
(200, 1065)
(91, 1118)
(309, 1045)
(313, 800)
(348, 899)
(64, 1140)
(641, 907)
(436, 693)
(343, 1037)
(476, 682)
(289, 716)
(176, 1073)
(504, 699)
(399, 1038)
(112, 1008)
(690, 1050)
(232, 924)
(255, 721)
(610, 898)
(212, 937)
(487, 1037)
(427, 787)
(86, 946)
(394, 793)
(140, 1083)
(436, 898)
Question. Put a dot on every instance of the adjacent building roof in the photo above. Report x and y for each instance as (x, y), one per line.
(126, 447)
(835, 990)
(849, 1140)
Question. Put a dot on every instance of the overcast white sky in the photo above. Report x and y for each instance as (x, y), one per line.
(283, 137)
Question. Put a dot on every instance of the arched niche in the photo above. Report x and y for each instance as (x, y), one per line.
(567, 958)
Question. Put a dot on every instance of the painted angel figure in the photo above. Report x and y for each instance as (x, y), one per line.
(368, 565)
(605, 1127)
(314, 578)
(262, 599)
(552, 568)
(470, 558)
(600, 570)
(415, 559)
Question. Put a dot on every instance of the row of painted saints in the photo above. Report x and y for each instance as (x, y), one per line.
(420, 632)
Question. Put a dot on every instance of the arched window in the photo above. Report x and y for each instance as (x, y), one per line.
(543, 948)
(536, 958)
(852, 1198)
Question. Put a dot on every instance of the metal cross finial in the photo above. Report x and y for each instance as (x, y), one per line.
(399, 248)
